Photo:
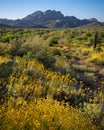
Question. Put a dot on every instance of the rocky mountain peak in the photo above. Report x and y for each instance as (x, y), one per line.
(48, 18)
(93, 20)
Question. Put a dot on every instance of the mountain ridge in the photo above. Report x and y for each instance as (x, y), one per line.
(48, 19)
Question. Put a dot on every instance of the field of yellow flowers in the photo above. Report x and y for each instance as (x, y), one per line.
(51, 79)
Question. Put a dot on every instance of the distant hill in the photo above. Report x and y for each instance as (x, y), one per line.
(95, 26)
(8, 26)
(5, 26)
(49, 19)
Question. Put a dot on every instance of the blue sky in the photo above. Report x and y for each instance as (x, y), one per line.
(14, 9)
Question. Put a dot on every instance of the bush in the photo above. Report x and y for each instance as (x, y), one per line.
(7, 37)
(79, 38)
(42, 115)
(43, 56)
(6, 69)
(53, 41)
(46, 58)
(90, 39)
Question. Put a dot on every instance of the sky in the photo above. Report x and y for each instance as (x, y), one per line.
(17, 9)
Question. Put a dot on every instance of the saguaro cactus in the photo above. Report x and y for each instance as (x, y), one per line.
(95, 39)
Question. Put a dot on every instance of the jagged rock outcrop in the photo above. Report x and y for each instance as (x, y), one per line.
(49, 19)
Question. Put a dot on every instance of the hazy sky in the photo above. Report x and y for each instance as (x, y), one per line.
(14, 9)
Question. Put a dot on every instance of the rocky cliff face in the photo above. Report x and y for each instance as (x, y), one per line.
(49, 18)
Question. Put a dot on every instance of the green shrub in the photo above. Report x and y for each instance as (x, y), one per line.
(90, 39)
(43, 56)
(79, 38)
(54, 40)
(46, 58)
(7, 37)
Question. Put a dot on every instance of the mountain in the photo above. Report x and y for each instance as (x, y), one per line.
(94, 26)
(7, 26)
(40, 16)
(93, 20)
(4, 26)
(49, 19)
